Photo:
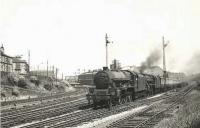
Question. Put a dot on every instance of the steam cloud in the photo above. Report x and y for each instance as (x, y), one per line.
(151, 60)
(193, 65)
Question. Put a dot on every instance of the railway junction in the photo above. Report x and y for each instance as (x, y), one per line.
(72, 110)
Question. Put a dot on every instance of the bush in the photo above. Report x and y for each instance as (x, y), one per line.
(3, 94)
(22, 83)
(37, 82)
(198, 83)
(61, 88)
(15, 92)
(12, 80)
(34, 80)
(48, 87)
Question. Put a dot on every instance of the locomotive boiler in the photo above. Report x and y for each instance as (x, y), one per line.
(113, 87)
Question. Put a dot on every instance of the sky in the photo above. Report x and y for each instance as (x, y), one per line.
(70, 34)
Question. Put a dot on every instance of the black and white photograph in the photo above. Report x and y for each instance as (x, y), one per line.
(100, 63)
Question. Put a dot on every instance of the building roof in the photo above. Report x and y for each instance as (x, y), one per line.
(16, 60)
(42, 71)
(88, 73)
(3, 54)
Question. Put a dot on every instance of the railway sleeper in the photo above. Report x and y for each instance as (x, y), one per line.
(125, 127)
(130, 124)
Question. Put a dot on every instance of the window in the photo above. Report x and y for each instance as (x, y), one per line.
(1, 66)
(17, 66)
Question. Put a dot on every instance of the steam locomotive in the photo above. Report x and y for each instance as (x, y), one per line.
(120, 86)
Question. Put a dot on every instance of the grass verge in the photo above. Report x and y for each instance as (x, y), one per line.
(187, 115)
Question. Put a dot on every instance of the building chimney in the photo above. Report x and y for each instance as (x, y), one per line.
(105, 68)
(2, 48)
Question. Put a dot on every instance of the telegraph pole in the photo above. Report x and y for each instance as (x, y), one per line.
(107, 42)
(164, 63)
(56, 75)
(29, 64)
(37, 70)
(53, 71)
(47, 69)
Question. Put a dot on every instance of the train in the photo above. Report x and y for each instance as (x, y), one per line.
(114, 87)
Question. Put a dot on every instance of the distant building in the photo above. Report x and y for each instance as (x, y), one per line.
(6, 62)
(155, 70)
(71, 79)
(115, 65)
(86, 78)
(20, 67)
(176, 75)
(43, 73)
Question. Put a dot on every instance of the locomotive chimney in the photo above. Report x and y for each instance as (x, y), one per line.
(105, 68)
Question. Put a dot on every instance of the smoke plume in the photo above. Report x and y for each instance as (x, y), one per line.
(151, 60)
(193, 66)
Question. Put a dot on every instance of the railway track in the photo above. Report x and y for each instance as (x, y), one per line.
(74, 119)
(48, 97)
(42, 111)
(43, 103)
(152, 115)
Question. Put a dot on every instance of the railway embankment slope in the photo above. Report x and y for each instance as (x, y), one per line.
(16, 87)
(186, 115)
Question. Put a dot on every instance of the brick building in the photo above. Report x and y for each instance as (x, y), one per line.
(6, 62)
(50, 73)
(20, 66)
(115, 65)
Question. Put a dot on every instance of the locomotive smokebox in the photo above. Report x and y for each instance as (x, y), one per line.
(105, 68)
